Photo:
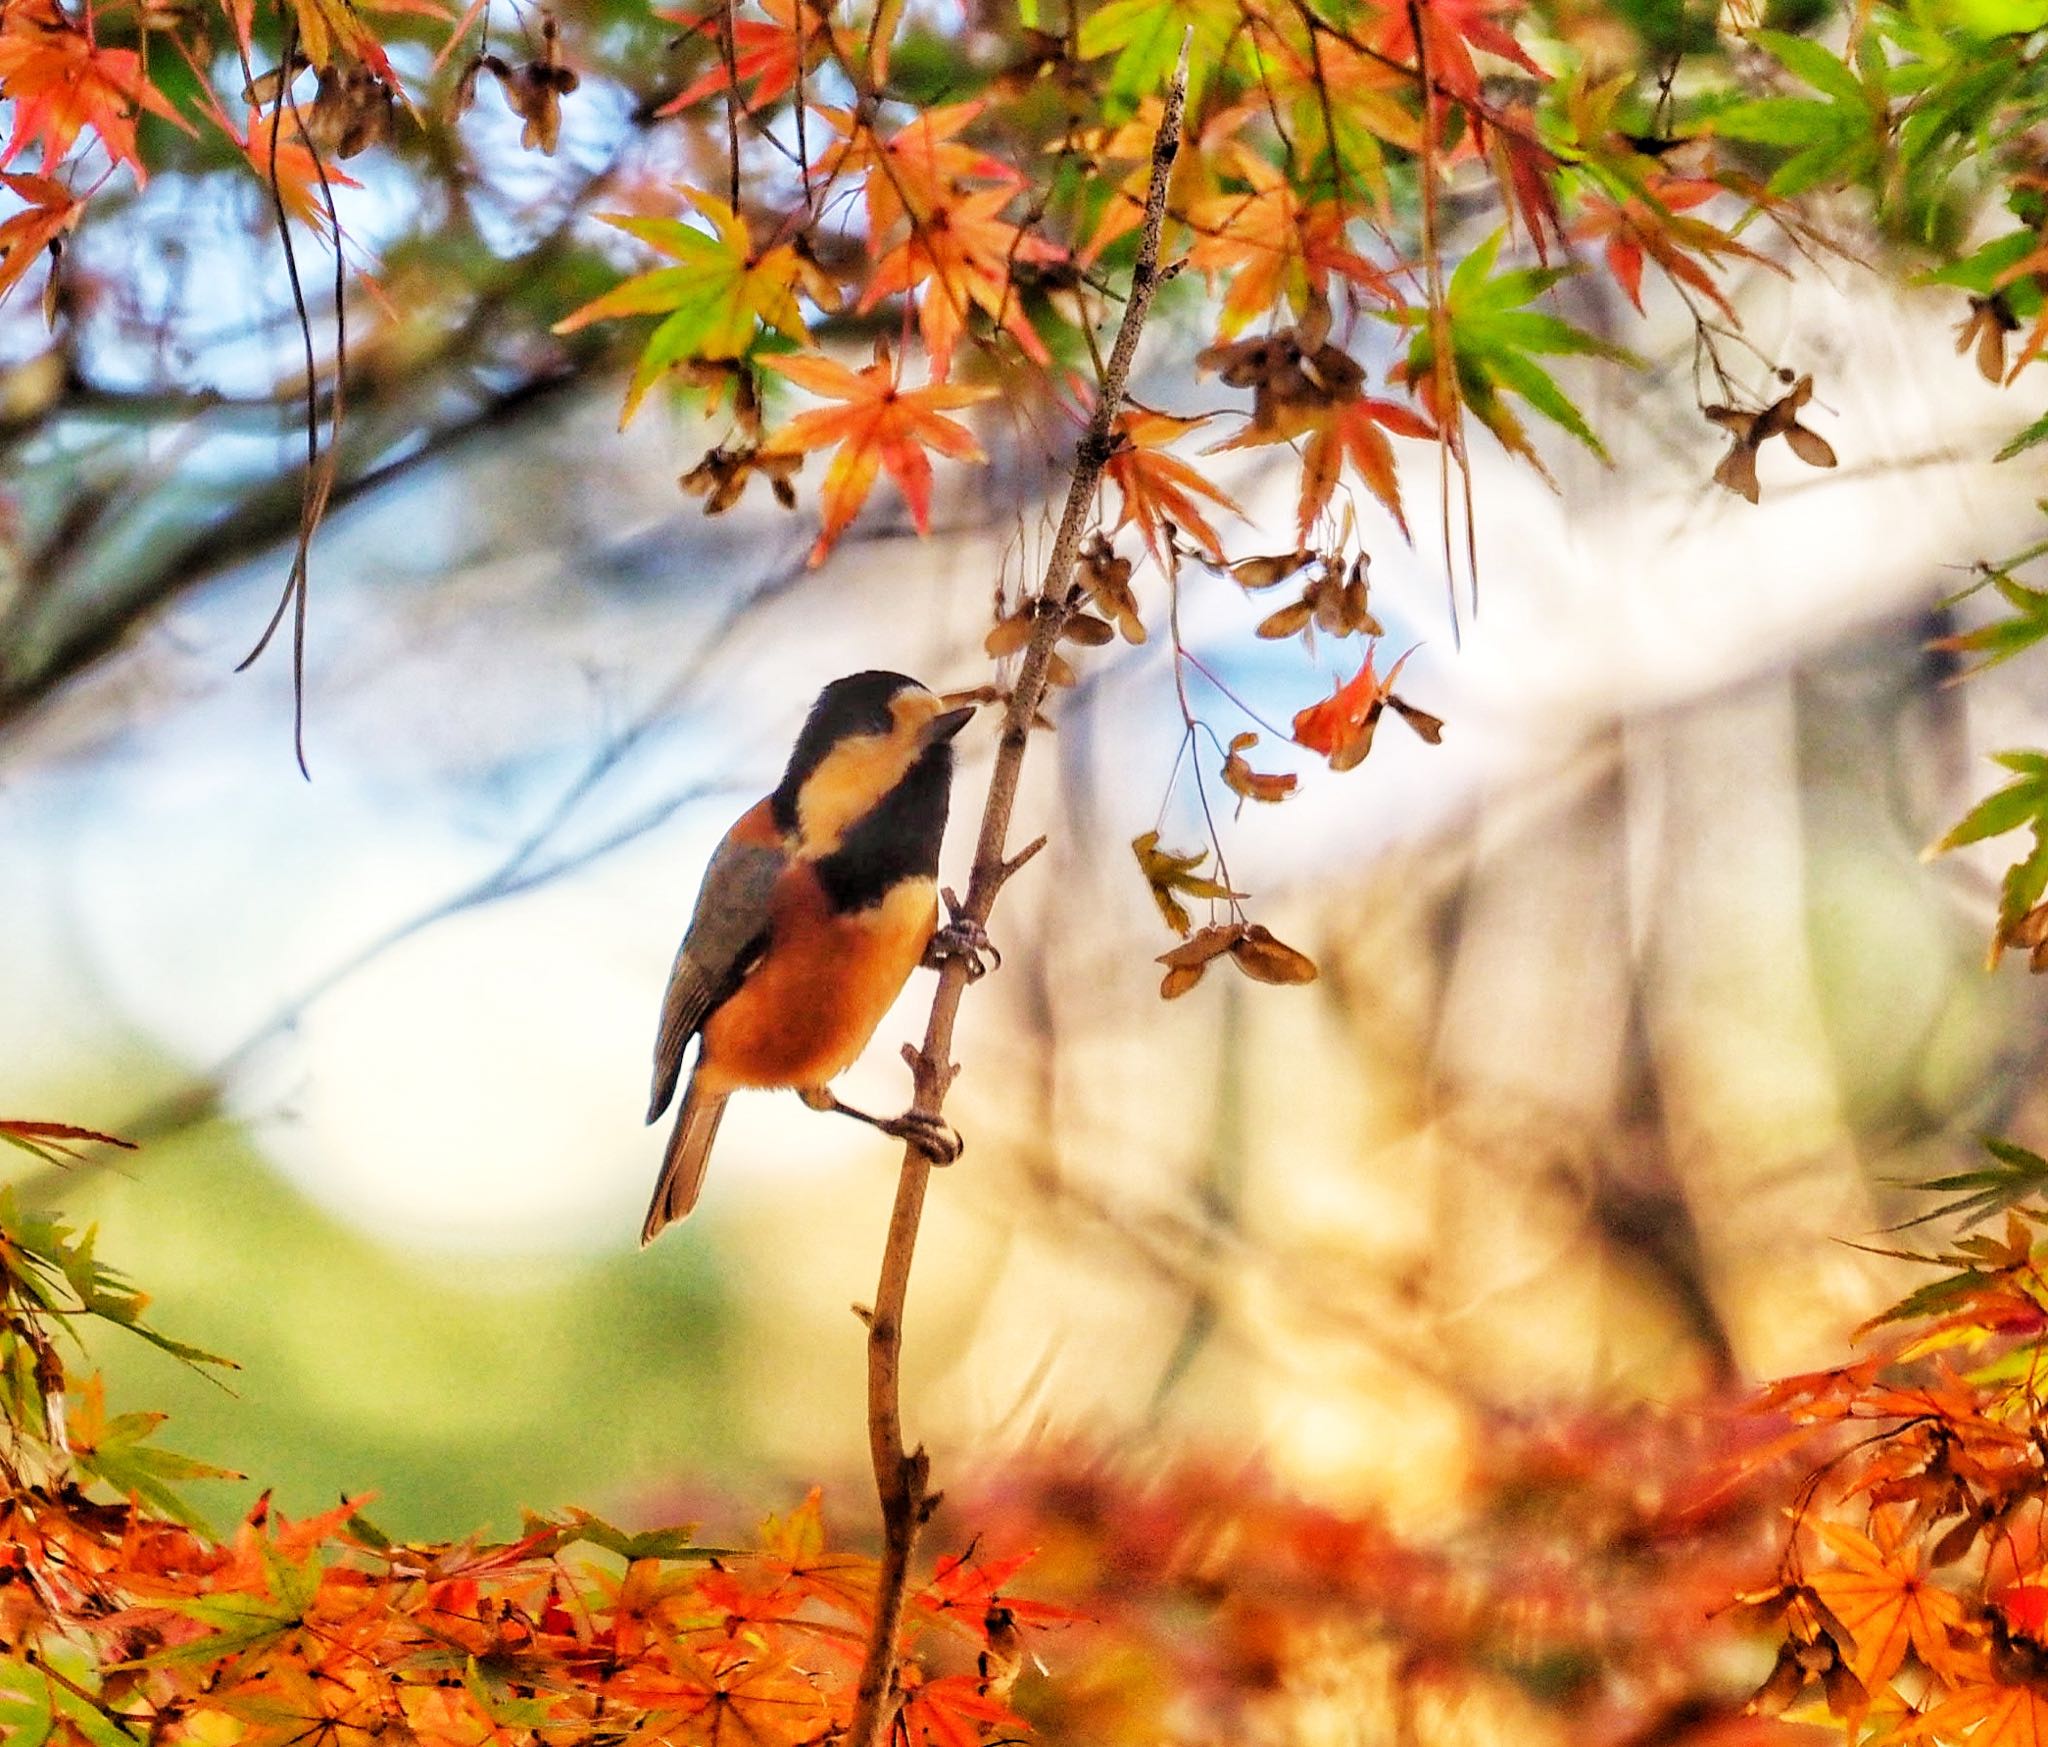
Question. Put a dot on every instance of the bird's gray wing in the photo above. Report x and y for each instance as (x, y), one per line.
(725, 936)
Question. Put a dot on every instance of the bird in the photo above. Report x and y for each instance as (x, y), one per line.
(815, 908)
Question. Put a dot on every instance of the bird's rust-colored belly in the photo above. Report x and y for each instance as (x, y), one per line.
(811, 1004)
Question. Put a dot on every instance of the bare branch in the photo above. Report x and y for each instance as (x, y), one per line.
(901, 1477)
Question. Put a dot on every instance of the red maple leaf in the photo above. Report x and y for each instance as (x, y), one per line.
(967, 1591)
(62, 83)
(1653, 227)
(1452, 29)
(1357, 432)
(1341, 726)
(795, 36)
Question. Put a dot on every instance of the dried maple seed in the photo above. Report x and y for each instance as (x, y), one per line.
(1269, 572)
(1751, 430)
(1088, 631)
(1186, 963)
(1985, 327)
(1288, 621)
(1007, 636)
(534, 91)
(1267, 960)
(721, 477)
(1291, 380)
(1781, 1690)
(1106, 580)
(266, 88)
(353, 109)
(1253, 785)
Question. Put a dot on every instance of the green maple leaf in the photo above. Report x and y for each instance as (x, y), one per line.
(1836, 137)
(2002, 639)
(1495, 341)
(717, 299)
(2019, 804)
(1145, 36)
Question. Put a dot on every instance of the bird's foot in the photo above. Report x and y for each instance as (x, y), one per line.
(963, 938)
(933, 1136)
(936, 1138)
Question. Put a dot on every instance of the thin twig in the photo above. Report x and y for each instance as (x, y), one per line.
(900, 1476)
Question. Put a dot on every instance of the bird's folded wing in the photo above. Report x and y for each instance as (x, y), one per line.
(725, 937)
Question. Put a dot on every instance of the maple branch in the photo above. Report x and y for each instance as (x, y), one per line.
(901, 1476)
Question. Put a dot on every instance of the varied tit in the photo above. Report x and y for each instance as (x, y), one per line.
(817, 906)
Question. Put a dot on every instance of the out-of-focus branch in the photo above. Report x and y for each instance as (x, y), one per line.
(901, 1476)
(529, 863)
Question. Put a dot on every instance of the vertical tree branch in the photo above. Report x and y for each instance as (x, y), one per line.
(901, 1476)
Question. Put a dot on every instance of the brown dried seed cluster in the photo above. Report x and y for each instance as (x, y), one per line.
(1107, 579)
(1751, 430)
(1251, 947)
(352, 111)
(1335, 601)
(533, 90)
(720, 478)
(1294, 374)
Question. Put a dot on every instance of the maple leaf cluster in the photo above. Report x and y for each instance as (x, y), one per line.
(1587, 1575)
(797, 181)
(123, 1620)
(1912, 1595)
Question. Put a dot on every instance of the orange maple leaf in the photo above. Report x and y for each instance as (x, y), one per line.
(1987, 1713)
(62, 83)
(1881, 1591)
(795, 1554)
(881, 425)
(1271, 246)
(1193, 178)
(953, 1711)
(1357, 432)
(51, 212)
(1158, 487)
(922, 164)
(958, 255)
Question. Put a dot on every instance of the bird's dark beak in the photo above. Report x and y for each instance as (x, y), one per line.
(946, 726)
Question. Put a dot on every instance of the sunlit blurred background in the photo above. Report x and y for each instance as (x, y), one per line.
(1637, 1001)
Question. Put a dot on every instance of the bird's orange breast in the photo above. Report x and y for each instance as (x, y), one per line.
(821, 987)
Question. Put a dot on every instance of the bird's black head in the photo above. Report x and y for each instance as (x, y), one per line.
(870, 775)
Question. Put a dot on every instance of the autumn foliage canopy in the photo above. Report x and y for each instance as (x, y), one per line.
(871, 240)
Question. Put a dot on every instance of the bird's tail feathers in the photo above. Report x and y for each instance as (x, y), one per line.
(682, 1166)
